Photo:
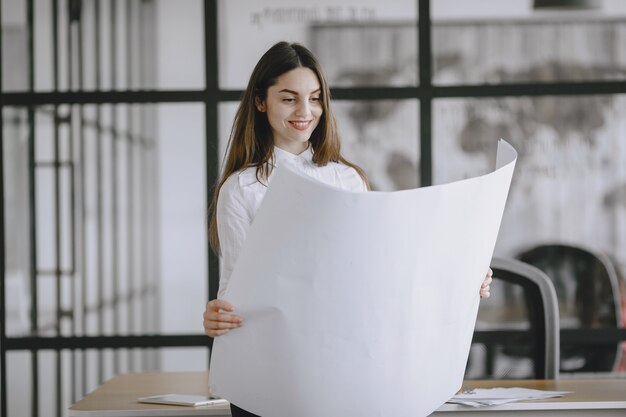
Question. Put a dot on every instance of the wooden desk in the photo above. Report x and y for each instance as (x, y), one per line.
(117, 398)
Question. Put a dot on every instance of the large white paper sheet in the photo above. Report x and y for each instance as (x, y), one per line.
(358, 304)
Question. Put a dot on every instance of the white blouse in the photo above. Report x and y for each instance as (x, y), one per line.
(241, 195)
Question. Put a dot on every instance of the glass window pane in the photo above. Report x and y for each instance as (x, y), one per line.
(43, 45)
(346, 32)
(184, 359)
(514, 44)
(183, 207)
(569, 184)
(17, 253)
(114, 46)
(179, 44)
(383, 54)
(20, 390)
(381, 136)
(15, 57)
(131, 223)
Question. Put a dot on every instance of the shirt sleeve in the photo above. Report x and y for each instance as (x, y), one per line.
(233, 222)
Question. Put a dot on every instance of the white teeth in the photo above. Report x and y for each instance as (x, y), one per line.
(300, 124)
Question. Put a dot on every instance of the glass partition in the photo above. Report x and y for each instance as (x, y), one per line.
(342, 36)
(521, 46)
(570, 180)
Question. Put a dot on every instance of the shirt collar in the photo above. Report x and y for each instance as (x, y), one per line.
(283, 156)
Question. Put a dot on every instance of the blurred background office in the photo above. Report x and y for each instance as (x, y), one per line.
(116, 115)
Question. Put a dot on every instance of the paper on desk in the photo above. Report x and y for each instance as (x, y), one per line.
(358, 303)
(495, 396)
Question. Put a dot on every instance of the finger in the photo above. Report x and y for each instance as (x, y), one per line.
(487, 282)
(489, 272)
(218, 304)
(215, 333)
(216, 325)
(231, 318)
(485, 294)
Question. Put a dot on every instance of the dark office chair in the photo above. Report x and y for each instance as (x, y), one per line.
(586, 285)
(517, 329)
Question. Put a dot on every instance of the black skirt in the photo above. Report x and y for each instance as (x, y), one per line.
(239, 412)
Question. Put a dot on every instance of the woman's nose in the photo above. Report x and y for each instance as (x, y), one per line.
(303, 108)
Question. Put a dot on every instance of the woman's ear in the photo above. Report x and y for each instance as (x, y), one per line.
(260, 105)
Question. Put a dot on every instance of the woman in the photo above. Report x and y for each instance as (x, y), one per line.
(284, 118)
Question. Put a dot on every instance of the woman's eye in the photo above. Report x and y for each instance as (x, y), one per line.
(289, 100)
(315, 99)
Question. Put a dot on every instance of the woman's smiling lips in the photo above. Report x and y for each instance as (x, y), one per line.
(300, 124)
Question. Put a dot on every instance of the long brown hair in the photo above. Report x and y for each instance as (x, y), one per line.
(250, 143)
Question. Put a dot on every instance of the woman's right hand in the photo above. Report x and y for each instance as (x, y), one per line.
(218, 320)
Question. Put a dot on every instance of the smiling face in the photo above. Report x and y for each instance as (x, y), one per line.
(294, 108)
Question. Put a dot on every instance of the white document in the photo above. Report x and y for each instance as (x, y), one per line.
(358, 303)
(480, 397)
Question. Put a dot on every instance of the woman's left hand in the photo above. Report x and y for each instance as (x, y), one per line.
(485, 287)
